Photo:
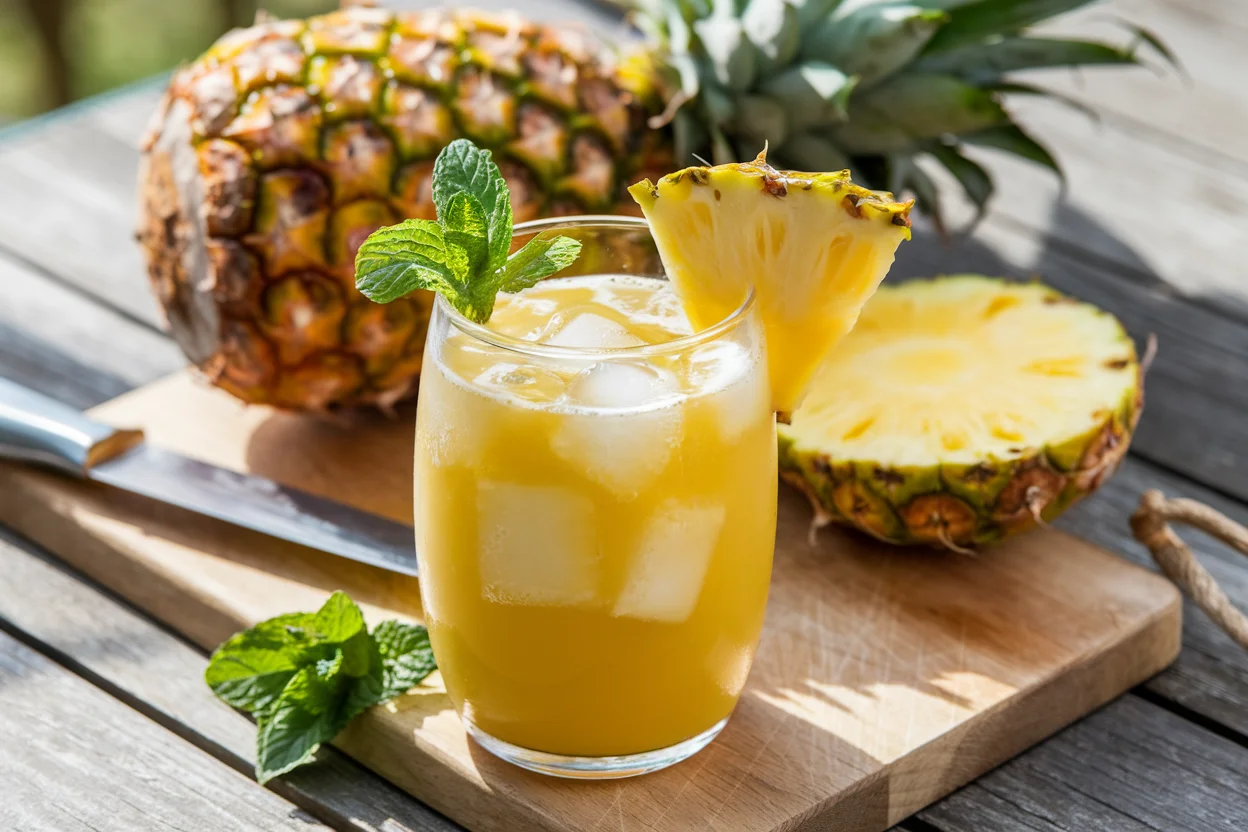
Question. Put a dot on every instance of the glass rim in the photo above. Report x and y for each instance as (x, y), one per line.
(511, 343)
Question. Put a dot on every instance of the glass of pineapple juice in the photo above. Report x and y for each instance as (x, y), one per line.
(595, 511)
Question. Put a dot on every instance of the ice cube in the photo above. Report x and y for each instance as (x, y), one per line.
(629, 429)
(621, 385)
(538, 545)
(590, 331)
(526, 381)
(733, 383)
(666, 572)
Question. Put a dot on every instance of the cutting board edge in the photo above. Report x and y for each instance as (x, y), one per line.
(1097, 679)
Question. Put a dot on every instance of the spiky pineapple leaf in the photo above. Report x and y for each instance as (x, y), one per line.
(1142, 35)
(1017, 88)
(1011, 138)
(810, 11)
(732, 56)
(976, 21)
(762, 119)
(928, 106)
(772, 26)
(924, 189)
(812, 92)
(984, 62)
(974, 180)
(808, 151)
(872, 41)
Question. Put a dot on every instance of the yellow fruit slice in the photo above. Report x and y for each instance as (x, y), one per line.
(813, 245)
(962, 409)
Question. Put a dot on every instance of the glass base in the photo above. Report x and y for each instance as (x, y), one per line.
(594, 768)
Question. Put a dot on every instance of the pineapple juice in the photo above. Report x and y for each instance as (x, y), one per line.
(595, 514)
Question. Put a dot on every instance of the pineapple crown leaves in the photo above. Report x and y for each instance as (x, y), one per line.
(870, 85)
(462, 256)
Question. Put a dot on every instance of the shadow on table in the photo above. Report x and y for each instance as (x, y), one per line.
(927, 254)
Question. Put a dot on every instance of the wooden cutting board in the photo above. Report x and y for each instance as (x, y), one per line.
(885, 678)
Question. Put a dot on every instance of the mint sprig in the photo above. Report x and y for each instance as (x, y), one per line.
(464, 254)
(304, 676)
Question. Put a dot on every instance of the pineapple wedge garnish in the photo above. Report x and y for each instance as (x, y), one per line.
(813, 245)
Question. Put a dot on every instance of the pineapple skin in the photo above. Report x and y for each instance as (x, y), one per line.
(965, 506)
(273, 156)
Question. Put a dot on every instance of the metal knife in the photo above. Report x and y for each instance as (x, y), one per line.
(40, 430)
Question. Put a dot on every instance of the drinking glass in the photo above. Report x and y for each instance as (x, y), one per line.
(594, 571)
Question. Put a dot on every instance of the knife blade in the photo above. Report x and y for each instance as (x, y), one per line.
(40, 430)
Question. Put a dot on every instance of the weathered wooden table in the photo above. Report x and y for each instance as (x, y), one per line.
(106, 724)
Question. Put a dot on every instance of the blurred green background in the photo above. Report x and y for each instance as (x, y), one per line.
(55, 51)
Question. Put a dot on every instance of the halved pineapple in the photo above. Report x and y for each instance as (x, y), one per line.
(814, 246)
(961, 409)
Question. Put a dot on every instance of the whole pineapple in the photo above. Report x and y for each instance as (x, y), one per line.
(274, 155)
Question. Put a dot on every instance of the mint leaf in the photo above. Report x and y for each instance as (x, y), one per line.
(464, 255)
(318, 688)
(462, 167)
(540, 257)
(400, 259)
(367, 690)
(250, 680)
(339, 618)
(304, 676)
(290, 736)
(250, 669)
(464, 224)
(406, 656)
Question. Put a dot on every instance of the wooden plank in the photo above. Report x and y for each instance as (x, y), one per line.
(1165, 774)
(1159, 216)
(161, 675)
(76, 759)
(1193, 417)
(844, 721)
(1205, 109)
(56, 340)
(1210, 677)
(68, 206)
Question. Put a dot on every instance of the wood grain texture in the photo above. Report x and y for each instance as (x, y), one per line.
(72, 758)
(1210, 678)
(1201, 112)
(161, 676)
(881, 683)
(58, 341)
(69, 207)
(1168, 775)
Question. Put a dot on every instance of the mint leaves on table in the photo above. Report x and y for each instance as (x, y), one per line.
(464, 254)
(304, 676)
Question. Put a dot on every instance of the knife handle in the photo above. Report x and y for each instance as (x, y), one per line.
(38, 429)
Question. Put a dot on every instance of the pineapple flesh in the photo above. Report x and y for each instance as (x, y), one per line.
(814, 246)
(279, 151)
(962, 409)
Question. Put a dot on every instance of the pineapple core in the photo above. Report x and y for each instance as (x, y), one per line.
(813, 245)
